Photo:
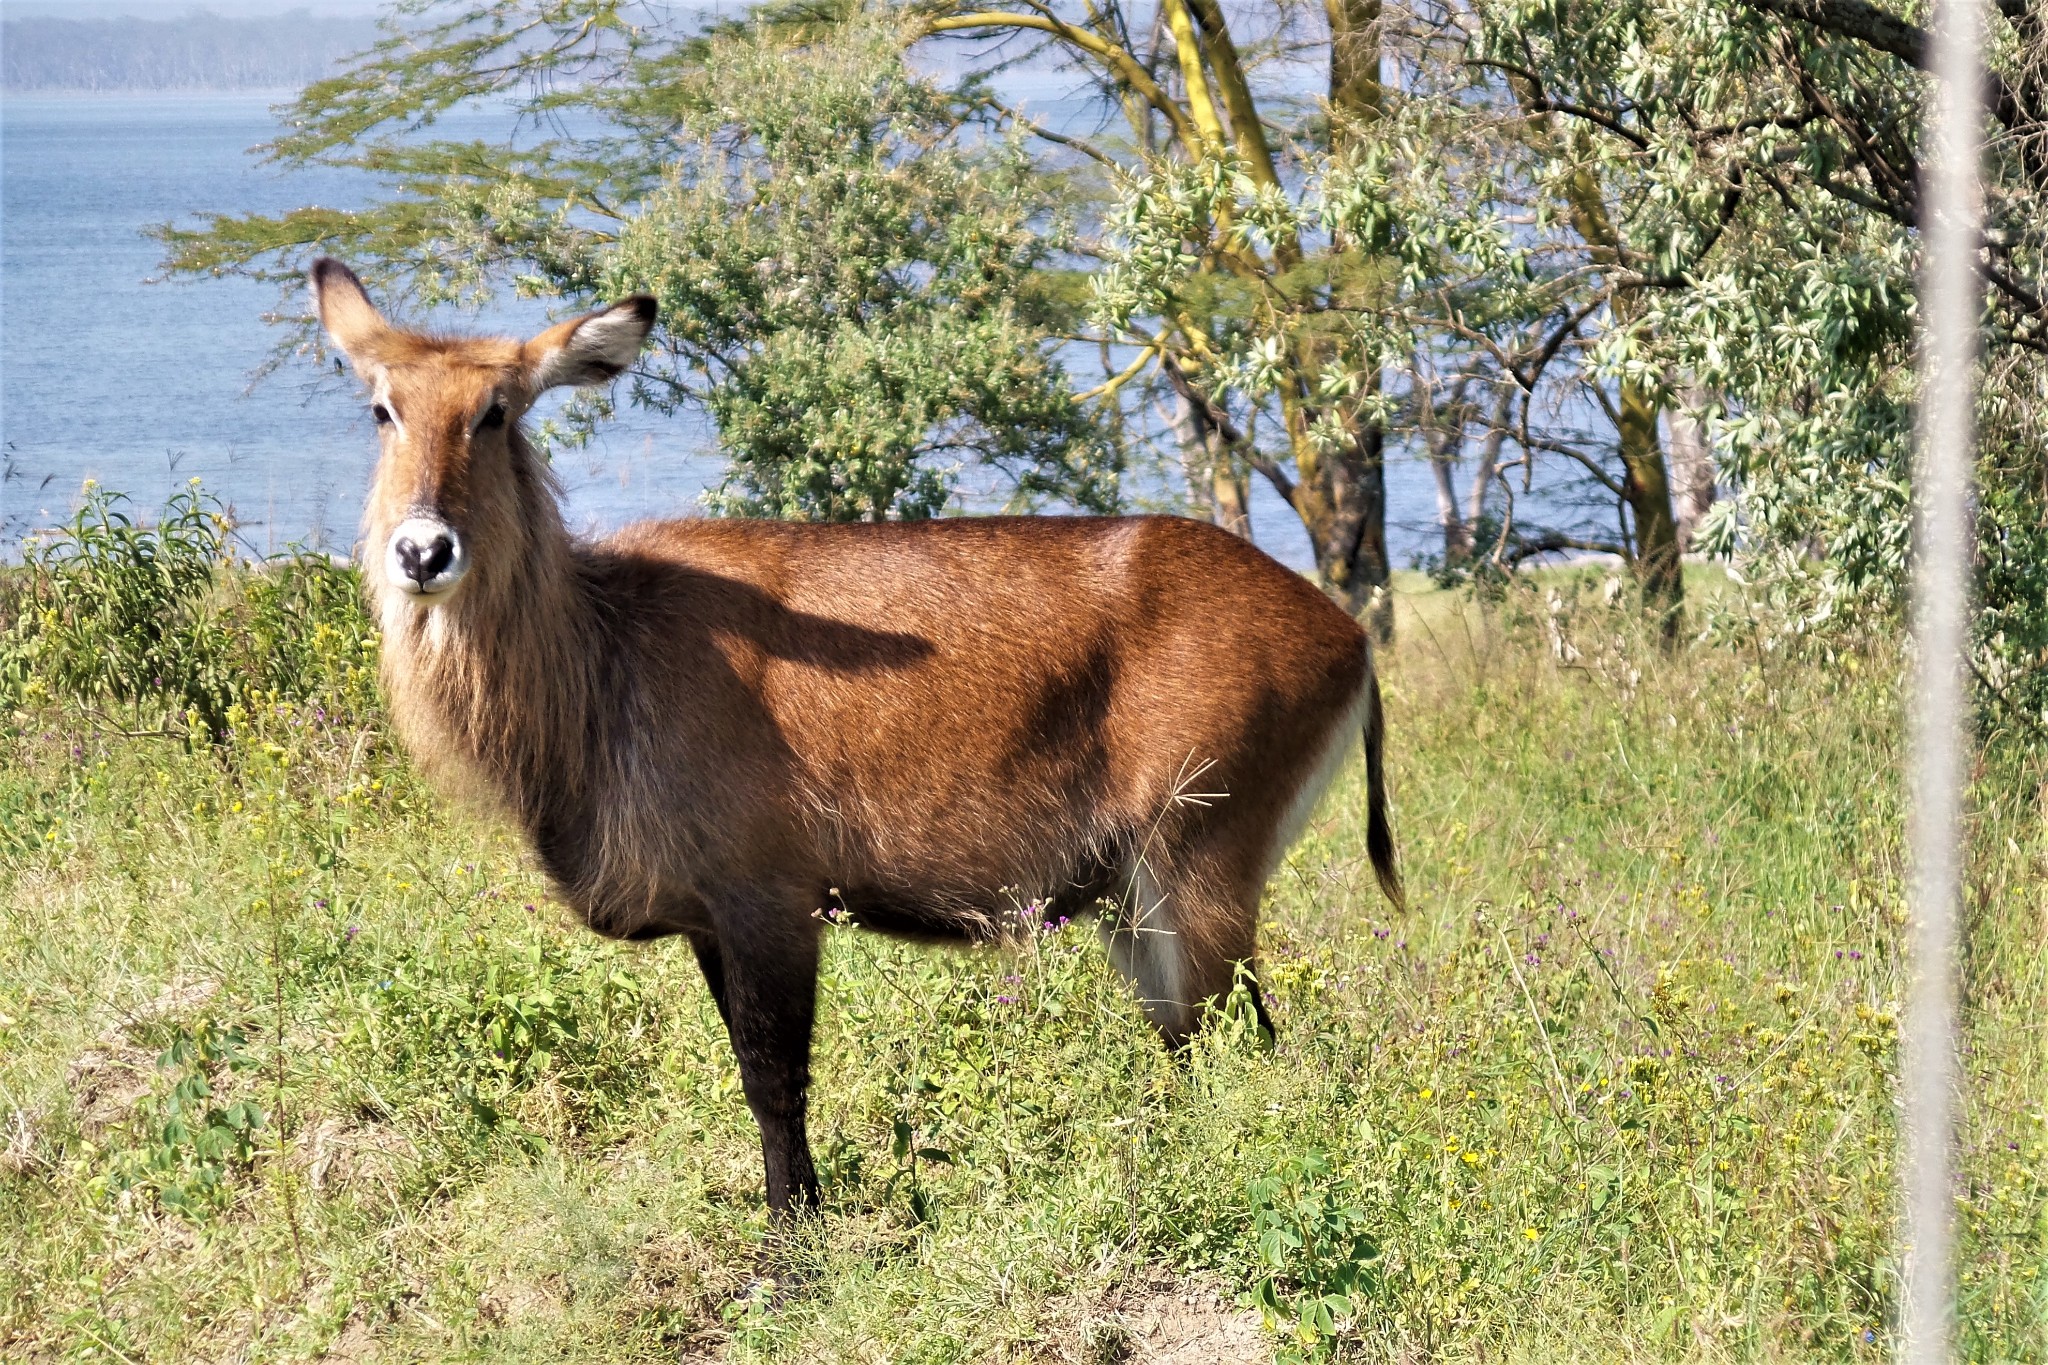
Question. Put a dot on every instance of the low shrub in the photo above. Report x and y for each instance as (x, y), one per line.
(161, 621)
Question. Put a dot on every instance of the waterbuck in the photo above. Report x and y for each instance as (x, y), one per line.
(725, 729)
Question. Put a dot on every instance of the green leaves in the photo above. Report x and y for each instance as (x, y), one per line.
(1321, 1265)
(839, 276)
(462, 50)
(185, 1146)
(843, 249)
(159, 618)
(487, 1027)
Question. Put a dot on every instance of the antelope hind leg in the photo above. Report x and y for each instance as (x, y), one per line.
(1181, 938)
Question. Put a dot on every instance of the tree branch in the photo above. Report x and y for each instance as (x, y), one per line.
(1126, 67)
(1552, 541)
(1857, 19)
(1867, 24)
(1219, 418)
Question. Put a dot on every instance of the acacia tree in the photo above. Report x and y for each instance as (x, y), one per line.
(1559, 230)
(1460, 260)
(1204, 93)
(845, 257)
(1768, 152)
(1820, 421)
(1531, 187)
(1433, 265)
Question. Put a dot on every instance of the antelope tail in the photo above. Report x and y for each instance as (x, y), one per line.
(1379, 835)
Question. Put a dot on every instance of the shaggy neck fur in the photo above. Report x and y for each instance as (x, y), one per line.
(495, 690)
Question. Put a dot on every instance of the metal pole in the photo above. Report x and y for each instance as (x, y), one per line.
(1952, 226)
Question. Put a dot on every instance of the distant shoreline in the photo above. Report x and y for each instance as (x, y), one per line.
(80, 92)
(199, 52)
(38, 92)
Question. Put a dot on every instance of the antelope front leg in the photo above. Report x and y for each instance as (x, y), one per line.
(770, 989)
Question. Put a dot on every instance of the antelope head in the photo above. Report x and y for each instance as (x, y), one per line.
(456, 485)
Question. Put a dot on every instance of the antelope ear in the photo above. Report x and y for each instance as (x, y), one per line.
(593, 348)
(346, 311)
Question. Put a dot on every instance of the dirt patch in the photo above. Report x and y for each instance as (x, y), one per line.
(344, 1157)
(175, 1001)
(356, 1345)
(1158, 1319)
(512, 1301)
(109, 1078)
(668, 1269)
(106, 1082)
(679, 1286)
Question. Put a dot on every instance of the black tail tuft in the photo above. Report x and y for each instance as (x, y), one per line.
(1379, 835)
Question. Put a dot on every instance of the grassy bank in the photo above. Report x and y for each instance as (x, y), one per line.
(296, 1060)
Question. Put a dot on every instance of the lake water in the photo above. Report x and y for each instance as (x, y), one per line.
(143, 386)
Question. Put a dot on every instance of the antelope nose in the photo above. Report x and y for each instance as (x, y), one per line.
(423, 563)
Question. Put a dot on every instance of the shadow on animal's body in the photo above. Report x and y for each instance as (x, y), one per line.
(719, 729)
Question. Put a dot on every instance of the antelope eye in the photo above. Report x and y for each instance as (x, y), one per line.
(494, 416)
(381, 413)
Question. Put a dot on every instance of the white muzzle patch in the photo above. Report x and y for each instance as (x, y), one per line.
(425, 558)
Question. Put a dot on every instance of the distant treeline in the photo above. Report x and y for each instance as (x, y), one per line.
(200, 51)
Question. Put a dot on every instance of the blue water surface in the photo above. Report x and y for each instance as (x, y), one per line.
(143, 386)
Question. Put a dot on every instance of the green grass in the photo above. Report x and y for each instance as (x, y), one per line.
(296, 1058)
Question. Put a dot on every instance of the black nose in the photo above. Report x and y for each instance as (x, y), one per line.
(422, 563)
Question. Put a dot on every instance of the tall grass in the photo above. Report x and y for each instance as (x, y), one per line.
(294, 1057)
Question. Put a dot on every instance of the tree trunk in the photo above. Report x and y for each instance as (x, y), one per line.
(1692, 461)
(1457, 536)
(1189, 425)
(1354, 56)
(1349, 488)
(1230, 503)
(1443, 434)
(1647, 489)
(1489, 459)
(1646, 485)
(1342, 502)
(1217, 489)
